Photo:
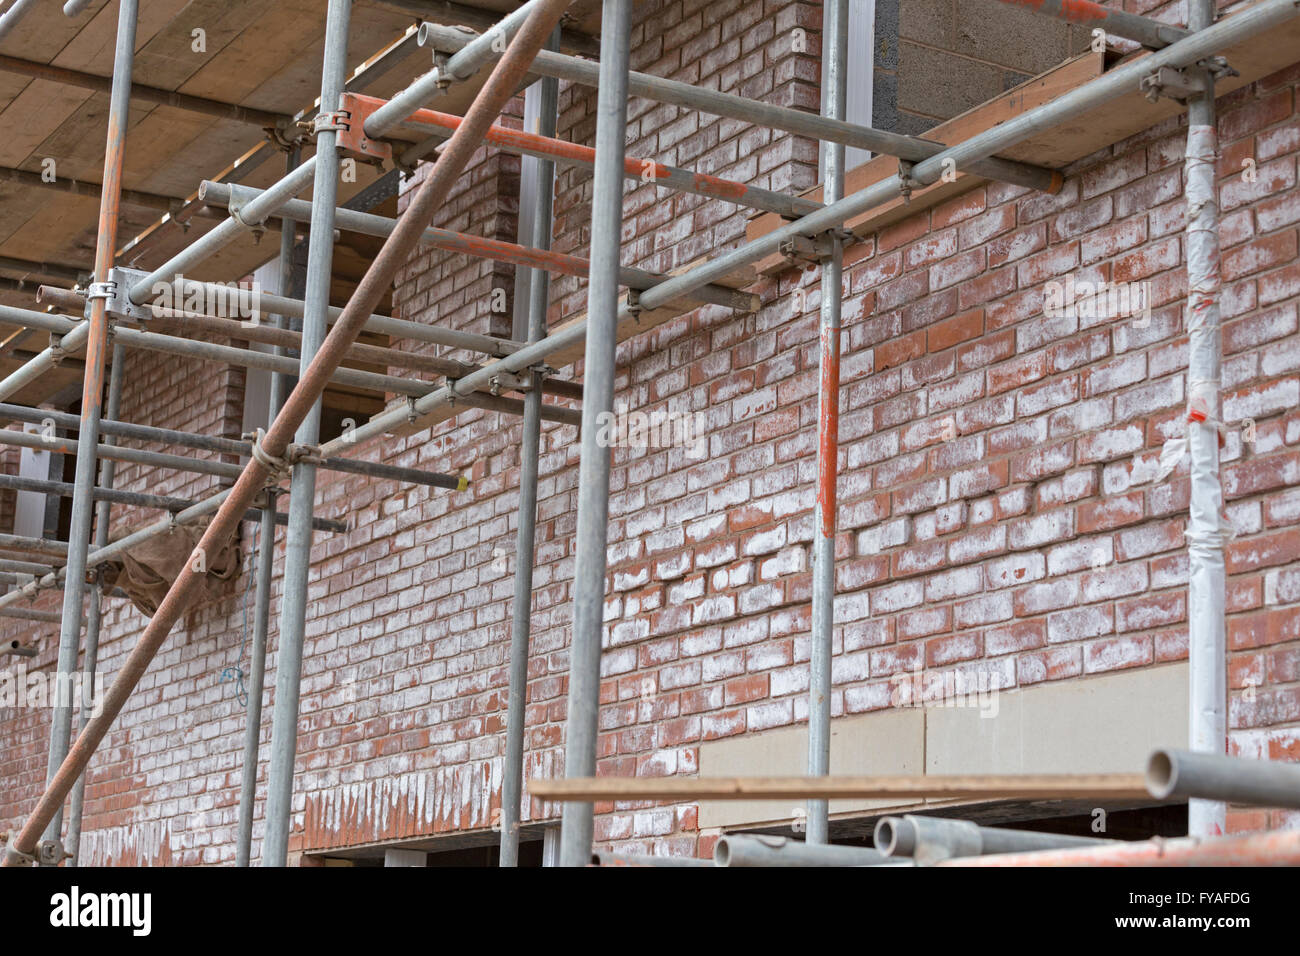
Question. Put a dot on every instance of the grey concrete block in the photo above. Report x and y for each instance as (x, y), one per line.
(940, 84)
(1105, 724)
(886, 53)
(1020, 39)
(927, 21)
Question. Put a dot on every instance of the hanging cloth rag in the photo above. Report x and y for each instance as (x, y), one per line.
(147, 571)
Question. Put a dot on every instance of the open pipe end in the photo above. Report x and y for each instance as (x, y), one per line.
(47, 294)
(1162, 774)
(895, 836)
(430, 32)
(721, 853)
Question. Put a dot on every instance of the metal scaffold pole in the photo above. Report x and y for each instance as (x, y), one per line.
(1116, 82)
(95, 616)
(302, 486)
(92, 395)
(262, 601)
(688, 96)
(1206, 528)
(835, 51)
(581, 728)
(548, 93)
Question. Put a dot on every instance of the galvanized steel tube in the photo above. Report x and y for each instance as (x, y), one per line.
(835, 40)
(1148, 32)
(590, 537)
(92, 395)
(547, 91)
(746, 850)
(262, 602)
(468, 61)
(1118, 81)
(369, 224)
(302, 493)
(927, 840)
(9, 19)
(1216, 778)
(686, 95)
(95, 617)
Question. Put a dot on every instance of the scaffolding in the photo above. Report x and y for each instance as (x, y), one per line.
(522, 47)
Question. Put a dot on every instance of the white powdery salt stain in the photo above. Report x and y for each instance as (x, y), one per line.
(459, 797)
(445, 798)
(142, 842)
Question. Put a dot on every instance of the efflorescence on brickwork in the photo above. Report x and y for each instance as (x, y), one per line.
(999, 513)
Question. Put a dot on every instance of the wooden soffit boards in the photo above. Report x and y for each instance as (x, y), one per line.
(264, 54)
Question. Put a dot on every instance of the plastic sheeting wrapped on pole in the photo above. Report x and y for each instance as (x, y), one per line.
(1207, 528)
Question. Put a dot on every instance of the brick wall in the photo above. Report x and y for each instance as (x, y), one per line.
(993, 514)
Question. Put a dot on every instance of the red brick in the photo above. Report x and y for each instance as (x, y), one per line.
(960, 328)
(900, 234)
(1110, 512)
(1259, 256)
(900, 350)
(959, 209)
(1262, 550)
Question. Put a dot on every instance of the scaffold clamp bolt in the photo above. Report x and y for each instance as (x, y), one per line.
(102, 290)
(335, 120)
(298, 452)
(905, 181)
(50, 853)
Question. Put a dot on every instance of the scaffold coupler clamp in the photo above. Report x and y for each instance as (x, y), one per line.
(406, 169)
(298, 452)
(333, 120)
(812, 250)
(634, 306)
(106, 290)
(286, 135)
(443, 78)
(57, 352)
(412, 416)
(798, 249)
(116, 293)
(906, 182)
(240, 197)
(278, 467)
(1182, 84)
(18, 857)
(32, 589)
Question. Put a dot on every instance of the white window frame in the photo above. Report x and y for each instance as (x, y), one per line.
(861, 79)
